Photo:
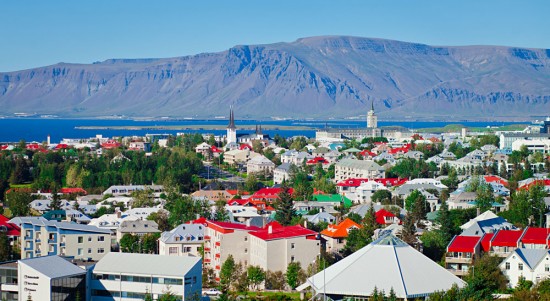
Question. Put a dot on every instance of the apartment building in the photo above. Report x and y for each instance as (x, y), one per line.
(40, 237)
(462, 251)
(185, 239)
(351, 168)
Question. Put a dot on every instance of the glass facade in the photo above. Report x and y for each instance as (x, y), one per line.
(8, 276)
(69, 288)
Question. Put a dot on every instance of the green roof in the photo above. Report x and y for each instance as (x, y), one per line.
(352, 150)
(332, 198)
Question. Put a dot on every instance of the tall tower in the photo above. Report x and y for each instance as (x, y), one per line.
(231, 129)
(372, 120)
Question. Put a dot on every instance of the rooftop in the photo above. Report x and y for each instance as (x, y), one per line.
(146, 264)
(464, 244)
(53, 266)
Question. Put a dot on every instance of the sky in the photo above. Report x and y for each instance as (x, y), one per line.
(41, 33)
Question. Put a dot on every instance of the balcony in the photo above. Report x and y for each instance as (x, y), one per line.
(217, 267)
(458, 260)
(52, 241)
(458, 272)
(206, 249)
(217, 255)
(27, 238)
(218, 244)
(206, 237)
(62, 243)
(207, 260)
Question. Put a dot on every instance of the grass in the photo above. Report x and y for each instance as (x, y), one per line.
(21, 185)
(292, 295)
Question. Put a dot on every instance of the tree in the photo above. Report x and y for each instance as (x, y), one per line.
(226, 274)
(355, 217)
(382, 196)
(161, 218)
(149, 243)
(409, 231)
(370, 224)
(357, 238)
(221, 213)
(4, 247)
(255, 275)
(251, 183)
(55, 203)
(292, 274)
(485, 278)
(130, 243)
(417, 205)
(445, 223)
(18, 202)
(275, 280)
(285, 206)
(485, 197)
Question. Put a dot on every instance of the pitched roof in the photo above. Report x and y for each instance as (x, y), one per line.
(506, 238)
(537, 236)
(53, 266)
(387, 263)
(332, 198)
(360, 164)
(381, 215)
(341, 230)
(356, 182)
(231, 226)
(280, 232)
(486, 241)
(531, 256)
(465, 244)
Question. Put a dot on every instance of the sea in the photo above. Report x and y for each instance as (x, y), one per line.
(37, 129)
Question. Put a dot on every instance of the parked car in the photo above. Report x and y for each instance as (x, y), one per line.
(211, 292)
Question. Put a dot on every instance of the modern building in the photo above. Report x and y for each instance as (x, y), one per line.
(351, 168)
(386, 264)
(9, 284)
(129, 189)
(185, 239)
(129, 276)
(40, 237)
(51, 278)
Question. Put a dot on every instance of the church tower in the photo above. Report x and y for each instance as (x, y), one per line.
(372, 120)
(231, 128)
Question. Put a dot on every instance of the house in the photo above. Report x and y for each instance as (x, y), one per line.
(275, 247)
(213, 195)
(335, 235)
(204, 149)
(461, 200)
(384, 217)
(119, 276)
(260, 165)
(462, 251)
(139, 146)
(334, 199)
(530, 264)
(303, 208)
(12, 231)
(67, 215)
(487, 222)
(268, 195)
(386, 264)
(364, 192)
(237, 156)
(185, 239)
(281, 173)
(351, 168)
(323, 217)
(40, 237)
(129, 189)
(535, 238)
(137, 227)
(295, 157)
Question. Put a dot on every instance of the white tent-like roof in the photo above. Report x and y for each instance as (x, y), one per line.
(385, 264)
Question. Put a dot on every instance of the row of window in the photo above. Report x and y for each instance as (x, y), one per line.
(520, 267)
(140, 279)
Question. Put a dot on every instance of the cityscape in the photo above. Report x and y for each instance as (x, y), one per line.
(213, 151)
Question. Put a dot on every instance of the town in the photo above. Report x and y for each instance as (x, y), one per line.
(350, 214)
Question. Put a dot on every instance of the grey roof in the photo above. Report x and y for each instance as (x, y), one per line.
(320, 217)
(487, 222)
(60, 225)
(53, 266)
(139, 226)
(360, 164)
(194, 231)
(531, 256)
(146, 264)
(406, 189)
(18, 220)
(284, 167)
(387, 263)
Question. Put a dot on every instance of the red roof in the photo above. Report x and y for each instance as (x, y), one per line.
(466, 244)
(341, 230)
(61, 146)
(317, 160)
(34, 146)
(366, 153)
(237, 202)
(231, 226)
(537, 236)
(385, 181)
(72, 190)
(110, 144)
(381, 215)
(486, 241)
(545, 182)
(236, 191)
(4, 147)
(506, 238)
(215, 149)
(496, 179)
(268, 193)
(245, 146)
(12, 229)
(283, 232)
(404, 149)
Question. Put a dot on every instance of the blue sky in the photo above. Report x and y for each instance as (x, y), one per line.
(39, 33)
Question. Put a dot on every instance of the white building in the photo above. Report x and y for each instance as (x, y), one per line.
(128, 276)
(184, 240)
(281, 173)
(364, 192)
(50, 278)
(260, 165)
(350, 168)
(372, 120)
(536, 145)
(531, 264)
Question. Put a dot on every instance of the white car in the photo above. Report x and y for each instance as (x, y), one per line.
(211, 292)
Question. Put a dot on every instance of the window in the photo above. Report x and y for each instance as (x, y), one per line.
(292, 258)
(80, 239)
(79, 252)
(292, 246)
(101, 238)
(246, 238)
(100, 250)
(172, 250)
(245, 251)
(89, 238)
(89, 250)
(520, 266)
(547, 268)
(507, 265)
(186, 249)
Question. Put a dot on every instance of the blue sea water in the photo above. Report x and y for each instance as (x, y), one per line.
(37, 129)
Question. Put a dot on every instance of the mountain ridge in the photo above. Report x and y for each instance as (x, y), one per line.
(321, 77)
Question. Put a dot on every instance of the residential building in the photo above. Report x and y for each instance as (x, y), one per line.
(507, 139)
(128, 189)
(487, 222)
(213, 195)
(275, 247)
(129, 276)
(40, 237)
(238, 156)
(504, 242)
(281, 173)
(364, 192)
(9, 284)
(295, 157)
(185, 239)
(50, 278)
(535, 238)
(137, 227)
(351, 168)
(462, 251)
(260, 165)
(12, 231)
(335, 235)
(384, 218)
(321, 217)
(530, 264)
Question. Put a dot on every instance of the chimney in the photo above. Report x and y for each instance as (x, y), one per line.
(118, 212)
(478, 211)
(270, 229)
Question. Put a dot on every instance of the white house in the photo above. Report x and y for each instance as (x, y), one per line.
(531, 264)
(185, 239)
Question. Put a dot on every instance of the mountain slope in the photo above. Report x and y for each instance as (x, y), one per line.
(311, 77)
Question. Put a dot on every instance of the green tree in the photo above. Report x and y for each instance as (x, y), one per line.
(161, 218)
(382, 196)
(417, 205)
(409, 231)
(445, 223)
(355, 217)
(275, 280)
(221, 213)
(251, 183)
(18, 202)
(130, 243)
(292, 274)
(485, 279)
(226, 274)
(285, 206)
(149, 243)
(255, 275)
(5, 251)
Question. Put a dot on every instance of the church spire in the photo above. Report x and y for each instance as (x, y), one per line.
(372, 105)
(231, 119)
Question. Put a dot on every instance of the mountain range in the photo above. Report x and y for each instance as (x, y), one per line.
(315, 77)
